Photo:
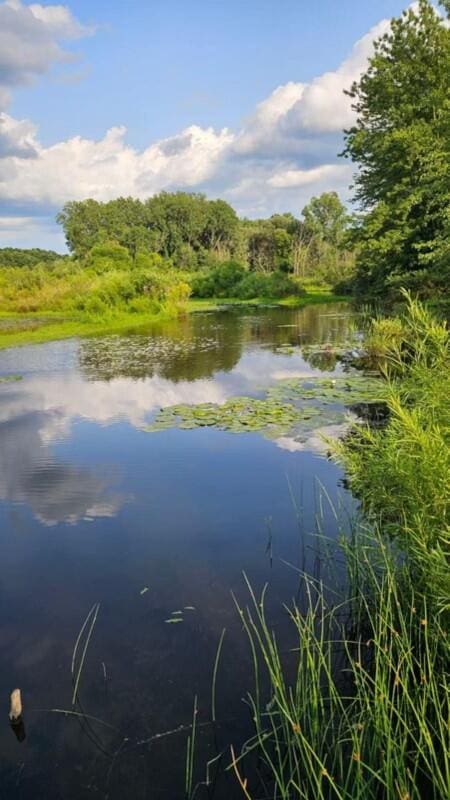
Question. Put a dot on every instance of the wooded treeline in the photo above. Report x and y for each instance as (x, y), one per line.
(195, 233)
(397, 236)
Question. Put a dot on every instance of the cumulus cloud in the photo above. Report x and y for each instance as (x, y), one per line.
(301, 177)
(323, 105)
(79, 168)
(17, 137)
(60, 22)
(29, 42)
(283, 153)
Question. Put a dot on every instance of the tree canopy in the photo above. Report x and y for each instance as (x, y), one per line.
(192, 233)
(400, 143)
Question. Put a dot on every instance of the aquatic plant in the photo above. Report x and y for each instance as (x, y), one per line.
(293, 408)
(401, 471)
(344, 390)
(356, 706)
(237, 415)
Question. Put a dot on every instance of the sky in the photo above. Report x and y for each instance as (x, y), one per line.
(239, 99)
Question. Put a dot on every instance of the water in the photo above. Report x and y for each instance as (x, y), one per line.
(94, 509)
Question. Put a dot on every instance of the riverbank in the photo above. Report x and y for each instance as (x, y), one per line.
(38, 327)
(359, 708)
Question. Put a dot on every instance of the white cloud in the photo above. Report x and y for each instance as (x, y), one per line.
(283, 154)
(79, 168)
(60, 21)
(323, 106)
(29, 42)
(301, 177)
(17, 137)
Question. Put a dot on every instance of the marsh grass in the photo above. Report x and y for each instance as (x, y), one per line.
(401, 473)
(359, 709)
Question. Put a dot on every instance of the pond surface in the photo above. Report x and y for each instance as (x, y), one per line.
(152, 526)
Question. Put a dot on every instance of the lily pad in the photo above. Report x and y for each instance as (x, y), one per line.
(294, 407)
(346, 390)
(237, 415)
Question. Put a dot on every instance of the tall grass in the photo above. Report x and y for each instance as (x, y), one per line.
(360, 708)
(401, 473)
(91, 289)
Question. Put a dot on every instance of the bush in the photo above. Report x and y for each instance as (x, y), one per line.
(220, 282)
(232, 280)
(281, 285)
(152, 261)
(253, 285)
(277, 284)
(107, 256)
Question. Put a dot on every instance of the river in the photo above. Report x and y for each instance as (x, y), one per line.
(155, 527)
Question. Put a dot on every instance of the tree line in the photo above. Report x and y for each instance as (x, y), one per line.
(398, 234)
(195, 233)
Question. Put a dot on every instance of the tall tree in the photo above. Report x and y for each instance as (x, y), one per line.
(325, 218)
(401, 144)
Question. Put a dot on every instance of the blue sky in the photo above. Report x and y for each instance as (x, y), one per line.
(186, 80)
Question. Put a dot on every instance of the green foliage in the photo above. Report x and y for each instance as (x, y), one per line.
(237, 415)
(232, 280)
(178, 226)
(107, 256)
(105, 283)
(401, 472)
(355, 705)
(18, 257)
(321, 247)
(349, 711)
(194, 233)
(401, 144)
(219, 282)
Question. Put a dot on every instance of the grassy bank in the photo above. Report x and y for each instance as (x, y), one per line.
(23, 329)
(356, 704)
(317, 294)
(43, 326)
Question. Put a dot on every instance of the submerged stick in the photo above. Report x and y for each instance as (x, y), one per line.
(15, 715)
(15, 711)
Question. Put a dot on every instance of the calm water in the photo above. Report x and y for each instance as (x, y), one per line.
(94, 509)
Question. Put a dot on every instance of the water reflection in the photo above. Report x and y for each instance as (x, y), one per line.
(55, 491)
(180, 513)
(200, 345)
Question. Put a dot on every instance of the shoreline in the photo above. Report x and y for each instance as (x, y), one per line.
(40, 327)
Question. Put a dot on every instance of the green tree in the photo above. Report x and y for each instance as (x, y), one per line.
(220, 227)
(400, 143)
(321, 249)
(325, 218)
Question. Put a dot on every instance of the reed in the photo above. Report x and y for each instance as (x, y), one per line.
(360, 707)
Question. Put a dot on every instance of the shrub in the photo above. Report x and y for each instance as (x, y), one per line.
(253, 285)
(276, 284)
(281, 285)
(108, 256)
(221, 281)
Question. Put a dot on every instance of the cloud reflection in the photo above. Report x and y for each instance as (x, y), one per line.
(55, 491)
